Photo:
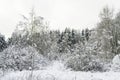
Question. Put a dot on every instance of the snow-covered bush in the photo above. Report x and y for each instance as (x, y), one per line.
(57, 66)
(84, 63)
(21, 58)
(116, 63)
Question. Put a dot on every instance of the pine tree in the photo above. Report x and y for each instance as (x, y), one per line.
(3, 43)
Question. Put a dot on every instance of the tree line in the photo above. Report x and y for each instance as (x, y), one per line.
(86, 50)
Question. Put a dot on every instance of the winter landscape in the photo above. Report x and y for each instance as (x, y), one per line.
(36, 52)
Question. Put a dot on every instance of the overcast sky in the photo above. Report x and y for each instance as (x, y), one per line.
(76, 14)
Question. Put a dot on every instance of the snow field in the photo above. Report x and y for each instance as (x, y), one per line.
(61, 75)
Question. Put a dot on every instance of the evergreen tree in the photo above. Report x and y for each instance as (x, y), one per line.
(87, 33)
(3, 43)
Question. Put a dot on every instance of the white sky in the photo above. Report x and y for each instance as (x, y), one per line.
(76, 14)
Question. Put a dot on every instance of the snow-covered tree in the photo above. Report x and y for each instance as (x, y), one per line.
(3, 43)
(33, 31)
(105, 32)
(116, 38)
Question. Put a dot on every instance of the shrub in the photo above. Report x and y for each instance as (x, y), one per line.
(21, 58)
(84, 63)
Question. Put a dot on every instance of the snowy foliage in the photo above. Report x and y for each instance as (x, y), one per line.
(3, 43)
(116, 63)
(20, 58)
(83, 63)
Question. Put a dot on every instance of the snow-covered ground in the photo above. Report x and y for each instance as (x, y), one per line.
(58, 72)
(61, 75)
